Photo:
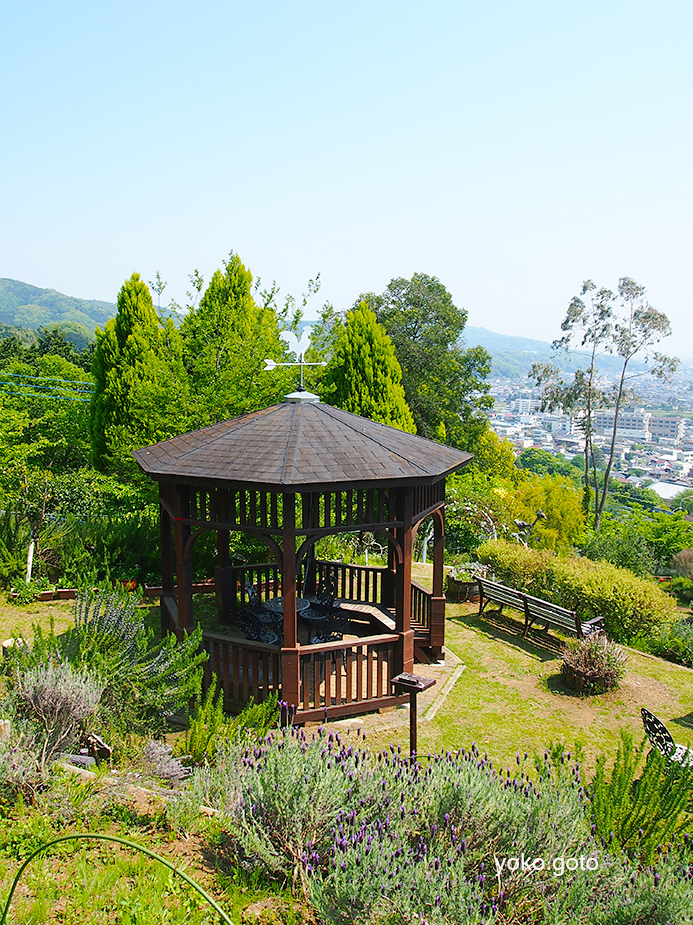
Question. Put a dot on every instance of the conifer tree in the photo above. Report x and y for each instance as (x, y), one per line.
(139, 381)
(226, 339)
(364, 375)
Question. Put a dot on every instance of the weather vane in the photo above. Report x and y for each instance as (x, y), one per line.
(298, 347)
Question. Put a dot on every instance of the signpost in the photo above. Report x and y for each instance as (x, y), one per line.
(412, 684)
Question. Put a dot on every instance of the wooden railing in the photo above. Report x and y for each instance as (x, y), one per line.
(346, 677)
(266, 578)
(244, 669)
(353, 582)
(420, 607)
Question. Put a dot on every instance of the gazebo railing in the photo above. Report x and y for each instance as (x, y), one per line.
(420, 608)
(345, 678)
(244, 669)
(353, 582)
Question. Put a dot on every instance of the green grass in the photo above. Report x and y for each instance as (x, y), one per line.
(510, 696)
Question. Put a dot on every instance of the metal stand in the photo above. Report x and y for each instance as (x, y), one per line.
(411, 684)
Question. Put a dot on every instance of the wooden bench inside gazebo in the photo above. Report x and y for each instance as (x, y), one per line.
(291, 475)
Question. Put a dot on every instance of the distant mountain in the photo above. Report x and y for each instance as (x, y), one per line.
(25, 306)
(513, 356)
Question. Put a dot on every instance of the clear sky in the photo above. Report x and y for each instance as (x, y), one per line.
(512, 149)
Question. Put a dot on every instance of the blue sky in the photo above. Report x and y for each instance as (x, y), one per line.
(512, 149)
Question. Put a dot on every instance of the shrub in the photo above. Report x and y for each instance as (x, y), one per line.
(60, 699)
(379, 841)
(159, 760)
(622, 545)
(594, 664)
(209, 725)
(673, 642)
(639, 815)
(682, 589)
(144, 682)
(630, 606)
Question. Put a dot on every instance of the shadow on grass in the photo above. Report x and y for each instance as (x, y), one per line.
(538, 643)
(685, 721)
(556, 685)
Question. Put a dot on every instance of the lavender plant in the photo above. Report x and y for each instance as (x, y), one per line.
(60, 699)
(144, 682)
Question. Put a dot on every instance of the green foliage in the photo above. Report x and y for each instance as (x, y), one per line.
(209, 726)
(226, 339)
(682, 589)
(674, 642)
(140, 386)
(557, 498)
(443, 383)
(378, 840)
(600, 321)
(647, 542)
(621, 544)
(59, 698)
(363, 375)
(641, 815)
(477, 509)
(684, 500)
(541, 462)
(144, 682)
(493, 457)
(630, 606)
(595, 663)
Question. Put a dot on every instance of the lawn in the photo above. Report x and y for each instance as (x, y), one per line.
(16, 622)
(510, 697)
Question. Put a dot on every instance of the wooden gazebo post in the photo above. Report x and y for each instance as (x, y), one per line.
(290, 655)
(437, 637)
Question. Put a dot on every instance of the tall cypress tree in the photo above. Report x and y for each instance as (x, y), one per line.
(226, 339)
(139, 381)
(364, 375)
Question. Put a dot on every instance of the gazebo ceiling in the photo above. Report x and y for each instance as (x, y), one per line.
(297, 444)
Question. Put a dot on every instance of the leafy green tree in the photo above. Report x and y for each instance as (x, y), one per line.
(444, 384)
(542, 462)
(363, 375)
(683, 501)
(557, 498)
(477, 509)
(140, 384)
(493, 457)
(622, 544)
(226, 339)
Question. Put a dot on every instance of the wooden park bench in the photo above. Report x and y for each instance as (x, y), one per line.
(534, 608)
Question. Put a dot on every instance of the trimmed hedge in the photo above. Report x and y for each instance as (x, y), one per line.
(631, 606)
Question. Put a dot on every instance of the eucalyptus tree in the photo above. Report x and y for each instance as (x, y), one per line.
(622, 323)
(588, 325)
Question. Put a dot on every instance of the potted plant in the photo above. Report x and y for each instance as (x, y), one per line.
(593, 665)
(462, 584)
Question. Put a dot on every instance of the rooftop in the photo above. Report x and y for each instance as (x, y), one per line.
(298, 444)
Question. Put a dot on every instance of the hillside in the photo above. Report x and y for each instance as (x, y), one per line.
(513, 356)
(25, 306)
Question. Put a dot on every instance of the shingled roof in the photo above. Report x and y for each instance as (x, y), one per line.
(296, 444)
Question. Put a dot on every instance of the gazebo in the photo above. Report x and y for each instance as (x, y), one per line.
(290, 475)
